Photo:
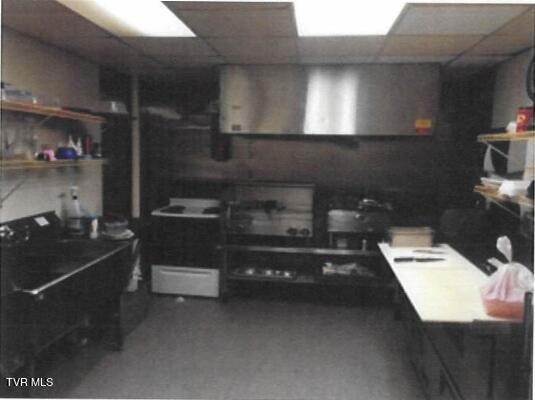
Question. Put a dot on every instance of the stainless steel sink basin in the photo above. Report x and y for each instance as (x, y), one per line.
(59, 257)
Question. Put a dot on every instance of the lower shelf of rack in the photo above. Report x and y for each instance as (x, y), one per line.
(302, 279)
(314, 280)
(299, 250)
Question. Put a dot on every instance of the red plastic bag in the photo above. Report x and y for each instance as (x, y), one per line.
(503, 294)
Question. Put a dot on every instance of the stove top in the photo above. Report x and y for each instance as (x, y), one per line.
(173, 209)
(190, 208)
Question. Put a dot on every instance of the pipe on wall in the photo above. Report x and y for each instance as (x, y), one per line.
(136, 169)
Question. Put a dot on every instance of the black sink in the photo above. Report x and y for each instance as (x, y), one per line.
(48, 260)
(70, 249)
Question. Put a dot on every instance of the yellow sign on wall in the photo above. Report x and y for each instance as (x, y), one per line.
(423, 125)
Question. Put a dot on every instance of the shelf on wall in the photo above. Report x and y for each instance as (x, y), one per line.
(8, 165)
(494, 196)
(301, 279)
(58, 112)
(507, 137)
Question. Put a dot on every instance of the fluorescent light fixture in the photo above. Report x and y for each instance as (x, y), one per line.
(484, 2)
(346, 17)
(131, 17)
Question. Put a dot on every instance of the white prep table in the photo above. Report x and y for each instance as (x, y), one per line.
(456, 349)
(440, 291)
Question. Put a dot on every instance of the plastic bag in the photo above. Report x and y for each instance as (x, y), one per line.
(503, 294)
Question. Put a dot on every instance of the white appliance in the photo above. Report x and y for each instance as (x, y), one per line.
(170, 279)
(184, 235)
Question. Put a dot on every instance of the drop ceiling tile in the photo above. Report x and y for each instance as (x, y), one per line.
(523, 25)
(430, 45)
(52, 23)
(47, 21)
(180, 5)
(501, 45)
(477, 61)
(414, 59)
(228, 19)
(133, 63)
(255, 47)
(171, 46)
(339, 46)
(128, 64)
(177, 60)
(260, 60)
(53, 29)
(455, 19)
(515, 36)
(42, 7)
(102, 49)
(336, 59)
(137, 66)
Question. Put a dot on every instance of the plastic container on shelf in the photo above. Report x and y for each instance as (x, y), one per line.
(420, 236)
(115, 227)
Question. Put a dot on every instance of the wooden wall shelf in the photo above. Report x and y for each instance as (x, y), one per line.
(493, 195)
(501, 137)
(58, 112)
(10, 165)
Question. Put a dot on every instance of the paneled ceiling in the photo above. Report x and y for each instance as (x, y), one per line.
(265, 33)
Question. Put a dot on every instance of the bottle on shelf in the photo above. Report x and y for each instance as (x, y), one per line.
(71, 143)
(87, 146)
(74, 221)
(93, 234)
(79, 148)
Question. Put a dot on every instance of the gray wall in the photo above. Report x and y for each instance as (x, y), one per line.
(404, 164)
(510, 94)
(510, 89)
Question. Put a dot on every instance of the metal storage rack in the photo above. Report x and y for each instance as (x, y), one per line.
(306, 274)
(493, 196)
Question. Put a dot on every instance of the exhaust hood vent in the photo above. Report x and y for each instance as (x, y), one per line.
(364, 100)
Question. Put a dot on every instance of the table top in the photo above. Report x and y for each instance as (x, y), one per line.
(444, 291)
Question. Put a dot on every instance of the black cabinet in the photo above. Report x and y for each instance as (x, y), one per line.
(464, 361)
(33, 320)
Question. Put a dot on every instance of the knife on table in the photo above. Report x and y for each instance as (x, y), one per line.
(417, 259)
(428, 251)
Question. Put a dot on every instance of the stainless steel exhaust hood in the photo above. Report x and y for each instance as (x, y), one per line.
(367, 99)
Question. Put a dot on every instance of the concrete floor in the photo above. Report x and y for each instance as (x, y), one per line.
(247, 349)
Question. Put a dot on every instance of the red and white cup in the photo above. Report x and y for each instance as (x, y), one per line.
(523, 118)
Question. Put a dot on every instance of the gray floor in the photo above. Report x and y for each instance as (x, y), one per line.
(248, 349)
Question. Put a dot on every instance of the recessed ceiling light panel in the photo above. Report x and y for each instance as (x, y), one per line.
(129, 18)
(346, 17)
